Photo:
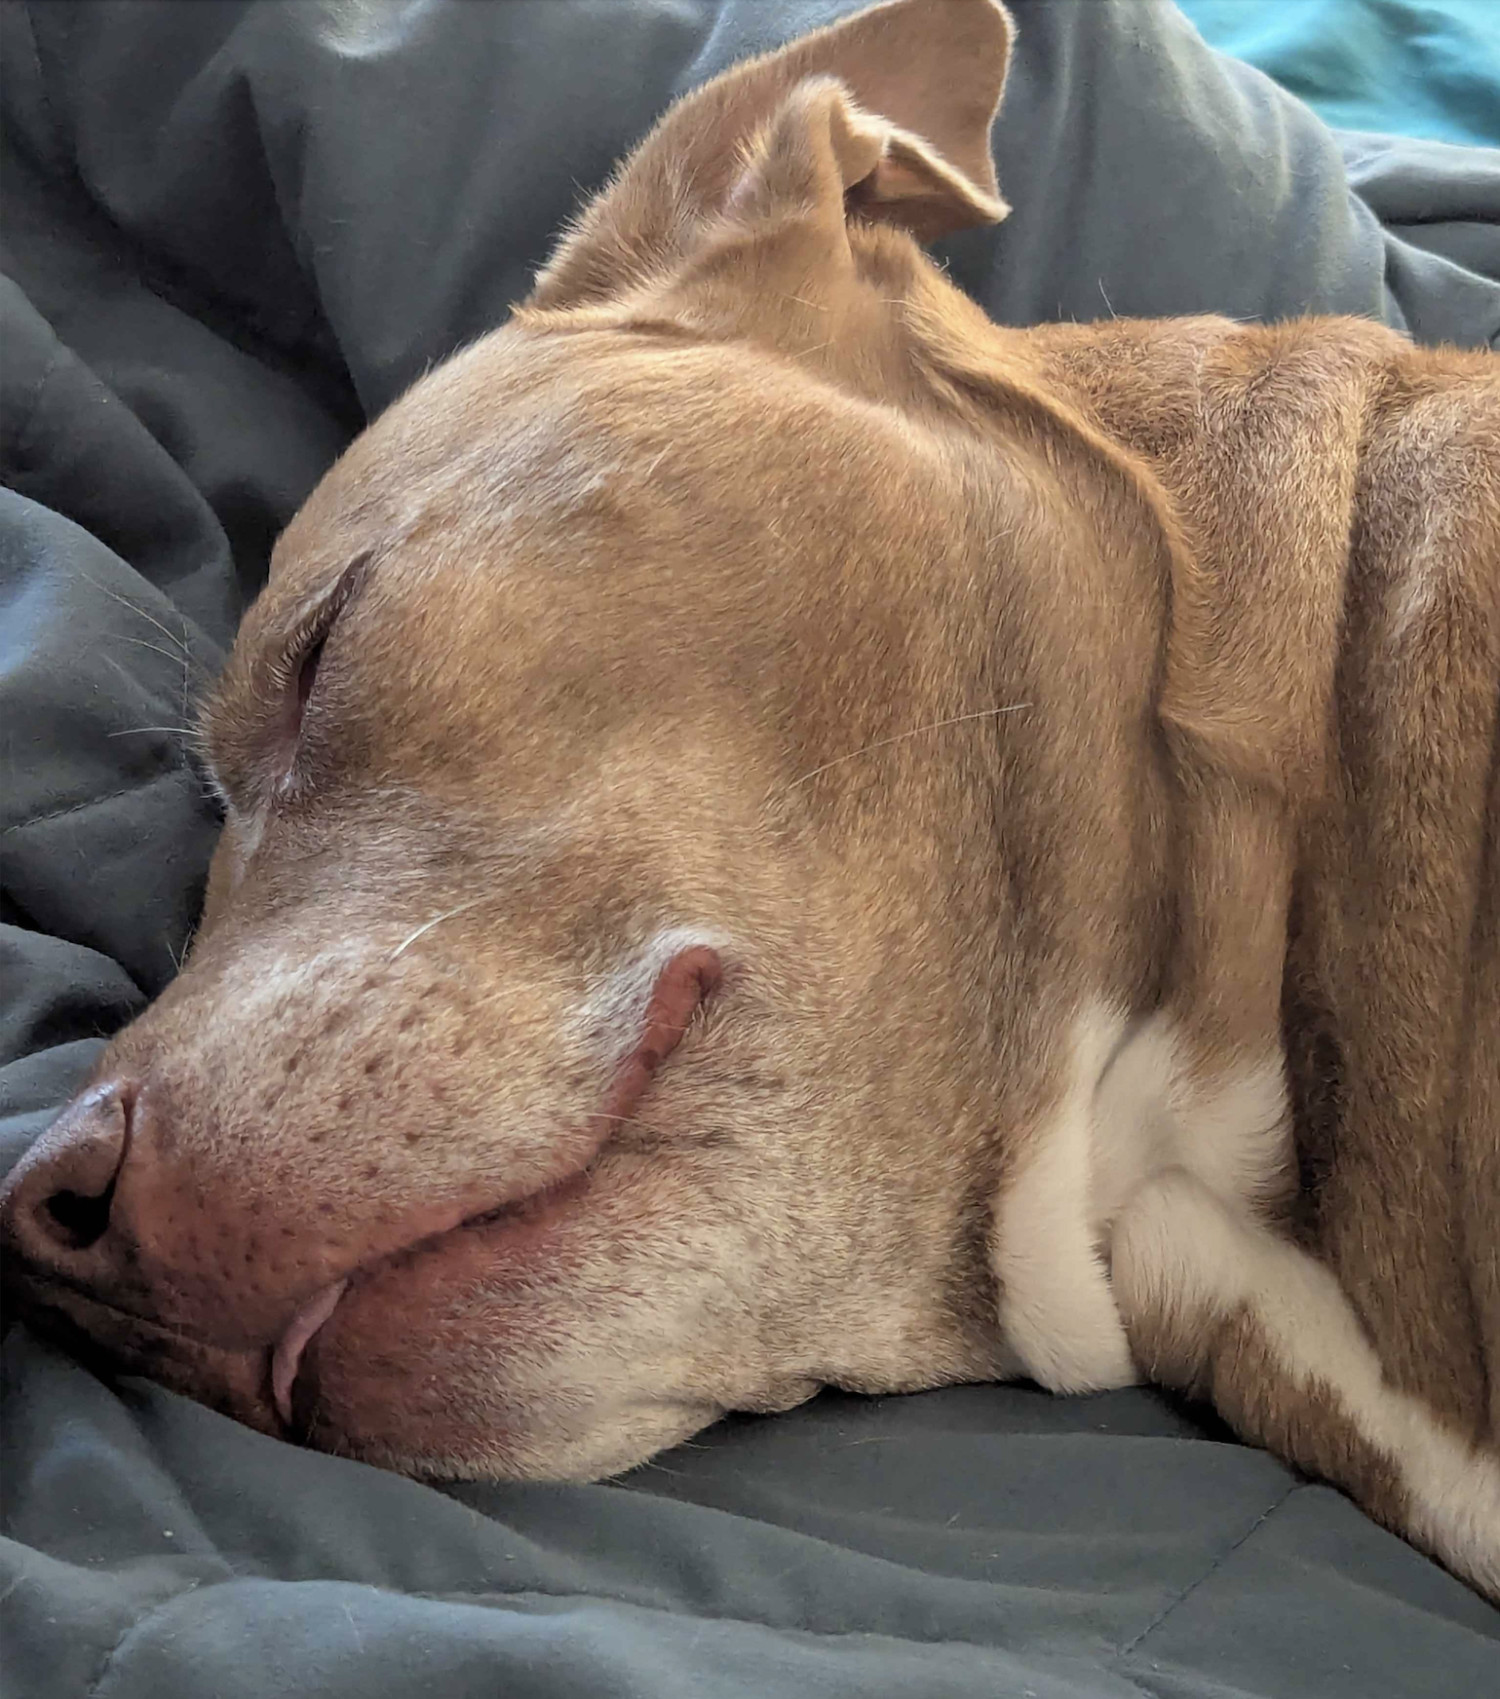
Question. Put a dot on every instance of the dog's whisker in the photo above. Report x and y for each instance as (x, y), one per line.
(900, 737)
(190, 732)
(180, 654)
(136, 608)
(180, 649)
(437, 920)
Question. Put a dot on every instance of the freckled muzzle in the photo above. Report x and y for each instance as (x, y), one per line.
(118, 1249)
(303, 1286)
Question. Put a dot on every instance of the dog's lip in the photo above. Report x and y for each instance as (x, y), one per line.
(286, 1355)
(289, 1351)
(632, 1080)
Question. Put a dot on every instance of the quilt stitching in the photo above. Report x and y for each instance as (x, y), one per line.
(31, 406)
(501, 1596)
(95, 801)
(113, 1650)
(34, 48)
(1209, 1573)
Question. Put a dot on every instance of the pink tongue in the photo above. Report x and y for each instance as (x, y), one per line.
(289, 1348)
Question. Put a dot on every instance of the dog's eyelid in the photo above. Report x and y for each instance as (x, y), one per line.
(267, 766)
(312, 630)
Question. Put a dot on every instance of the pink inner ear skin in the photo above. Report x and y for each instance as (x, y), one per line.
(687, 981)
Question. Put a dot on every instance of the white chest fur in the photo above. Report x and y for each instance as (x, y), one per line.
(1130, 1112)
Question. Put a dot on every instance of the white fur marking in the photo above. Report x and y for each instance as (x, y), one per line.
(1179, 1248)
(1233, 1132)
(1129, 1111)
(1056, 1305)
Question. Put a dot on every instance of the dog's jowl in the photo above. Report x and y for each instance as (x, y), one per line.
(782, 834)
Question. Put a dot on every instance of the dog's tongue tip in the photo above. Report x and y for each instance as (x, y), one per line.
(286, 1359)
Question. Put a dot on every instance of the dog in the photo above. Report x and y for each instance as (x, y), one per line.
(782, 834)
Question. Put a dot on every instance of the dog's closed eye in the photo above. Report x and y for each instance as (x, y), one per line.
(301, 659)
(307, 673)
(299, 669)
(255, 727)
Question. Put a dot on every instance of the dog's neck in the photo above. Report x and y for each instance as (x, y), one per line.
(1196, 613)
(1260, 502)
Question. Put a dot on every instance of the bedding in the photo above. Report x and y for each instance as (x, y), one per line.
(232, 233)
(1428, 68)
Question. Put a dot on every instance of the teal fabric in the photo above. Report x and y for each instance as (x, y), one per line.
(229, 232)
(1428, 68)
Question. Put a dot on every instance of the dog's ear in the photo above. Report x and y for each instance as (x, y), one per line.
(908, 90)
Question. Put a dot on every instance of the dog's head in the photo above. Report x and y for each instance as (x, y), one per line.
(624, 963)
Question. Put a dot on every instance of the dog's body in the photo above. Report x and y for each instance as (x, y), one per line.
(1041, 784)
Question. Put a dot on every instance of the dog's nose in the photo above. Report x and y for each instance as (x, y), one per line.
(105, 1211)
(55, 1208)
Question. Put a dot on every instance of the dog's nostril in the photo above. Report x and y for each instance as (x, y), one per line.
(81, 1221)
(60, 1200)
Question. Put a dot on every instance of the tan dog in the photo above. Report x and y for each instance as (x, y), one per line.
(781, 833)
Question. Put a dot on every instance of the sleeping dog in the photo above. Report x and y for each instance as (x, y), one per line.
(782, 834)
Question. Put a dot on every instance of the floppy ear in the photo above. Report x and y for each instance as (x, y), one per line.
(918, 83)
